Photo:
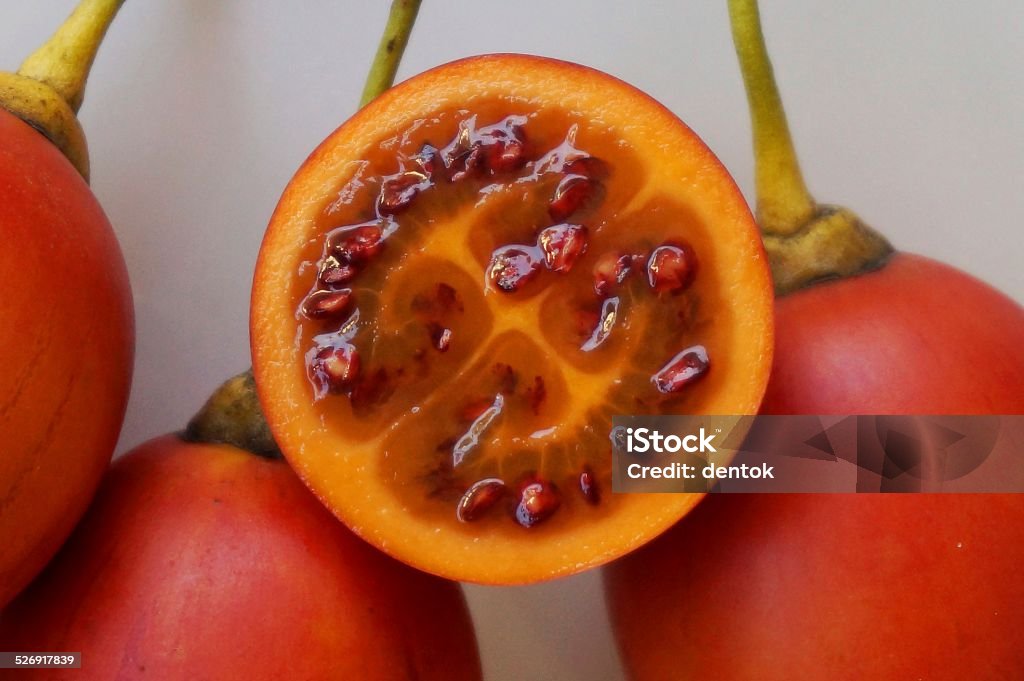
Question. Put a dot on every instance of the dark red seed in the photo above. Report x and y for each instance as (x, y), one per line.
(511, 267)
(538, 500)
(426, 160)
(469, 165)
(334, 369)
(562, 245)
(507, 377)
(398, 191)
(536, 394)
(688, 366)
(505, 156)
(591, 167)
(570, 195)
(671, 268)
(326, 304)
(586, 321)
(606, 322)
(356, 244)
(447, 298)
(335, 273)
(447, 446)
(479, 498)
(610, 270)
(372, 389)
(440, 337)
(588, 486)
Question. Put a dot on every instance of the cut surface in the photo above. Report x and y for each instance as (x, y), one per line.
(465, 282)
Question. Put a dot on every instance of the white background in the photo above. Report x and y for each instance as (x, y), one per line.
(199, 111)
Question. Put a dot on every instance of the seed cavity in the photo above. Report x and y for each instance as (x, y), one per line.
(538, 500)
(562, 245)
(479, 498)
(512, 267)
(671, 268)
(688, 366)
(606, 322)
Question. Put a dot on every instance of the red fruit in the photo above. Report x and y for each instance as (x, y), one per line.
(206, 562)
(66, 350)
(915, 337)
(827, 588)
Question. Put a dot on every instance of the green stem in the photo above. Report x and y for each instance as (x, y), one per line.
(64, 61)
(392, 46)
(783, 203)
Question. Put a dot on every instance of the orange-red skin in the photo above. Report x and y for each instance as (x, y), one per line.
(828, 588)
(66, 349)
(915, 337)
(203, 561)
(849, 587)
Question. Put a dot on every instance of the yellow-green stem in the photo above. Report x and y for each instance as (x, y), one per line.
(806, 243)
(64, 61)
(783, 203)
(391, 48)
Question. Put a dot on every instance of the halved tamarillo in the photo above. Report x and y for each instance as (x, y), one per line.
(463, 284)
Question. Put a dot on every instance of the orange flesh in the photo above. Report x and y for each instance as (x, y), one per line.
(519, 389)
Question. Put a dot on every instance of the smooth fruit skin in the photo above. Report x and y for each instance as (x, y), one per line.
(837, 587)
(66, 349)
(829, 588)
(915, 337)
(207, 562)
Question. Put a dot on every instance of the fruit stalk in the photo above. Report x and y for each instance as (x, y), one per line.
(233, 416)
(392, 47)
(783, 202)
(806, 242)
(48, 88)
